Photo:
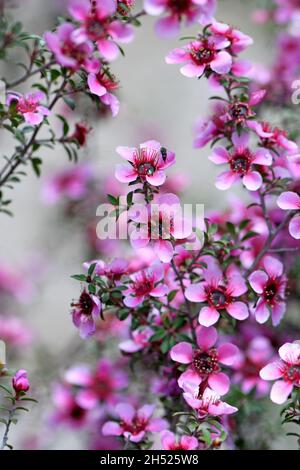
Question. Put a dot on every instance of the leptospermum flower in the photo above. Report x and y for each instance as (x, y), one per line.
(99, 26)
(206, 54)
(67, 52)
(287, 369)
(87, 310)
(221, 294)
(209, 403)
(147, 163)
(101, 84)
(20, 382)
(144, 284)
(134, 424)
(170, 442)
(70, 182)
(204, 362)
(29, 106)
(139, 341)
(290, 200)
(238, 40)
(176, 11)
(160, 223)
(242, 162)
(270, 284)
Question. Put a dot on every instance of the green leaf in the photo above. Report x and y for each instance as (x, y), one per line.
(113, 200)
(69, 102)
(36, 164)
(79, 277)
(92, 269)
(172, 295)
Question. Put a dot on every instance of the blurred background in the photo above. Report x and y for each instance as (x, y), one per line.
(43, 247)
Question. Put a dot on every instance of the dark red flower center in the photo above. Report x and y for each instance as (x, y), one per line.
(239, 111)
(240, 161)
(206, 362)
(143, 284)
(86, 303)
(292, 374)
(145, 162)
(95, 28)
(270, 291)
(218, 298)
(179, 6)
(77, 413)
(136, 426)
(204, 54)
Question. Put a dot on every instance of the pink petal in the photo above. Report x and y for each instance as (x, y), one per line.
(95, 87)
(157, 179)
(189, 442)
(219, 156)
(33, 118)
(240, 140)
(125, 411)
(227, 353)
(182, 353)
(294, 227)
(132, 302)
(263, 157)
(208, 316)
(159, 291)
(289, 201)
(126, 152)
(262, 313)
(219, 382)
(130, 346)
(238, 310)
(111, 429)
(273, 266)
(167, 440)
(222, 63)
(278, 312)
(241, 68)
(164, 250)
(108, 49)
(290, 353)
(280, 391)
(206, 337)
(195, 293)
(225, 180)
(176, 56)
(146, 411)
(79, 10)
(236, 285)
(258, 280)
(192, 70)
(189, 381)
(253, 180)
(167, 27)
(271, 371)
(154, 7)
(157, 425)
(125, 174)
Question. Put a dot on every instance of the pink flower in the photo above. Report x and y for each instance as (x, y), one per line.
(99, 386)
(14, 332)
(241, 161)
(69, 53)
(209, 403)
(87, 310)
(144, 284)
(238, 40)
(134, 424)
(287, 369)
(273, 137)
(160, 223)
(147, 163)
(202, 55)
(139, 341)
(68, 410)
(20, 382)
(176, 11)
(99, 26)
(248, 364)
(101, 84)
(270, 284)
(70, 182)
(204, 361)
(291, 201)
(29, 106)
(220, 294)
(169, 442)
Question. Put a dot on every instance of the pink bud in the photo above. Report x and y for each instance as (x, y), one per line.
(20, 381)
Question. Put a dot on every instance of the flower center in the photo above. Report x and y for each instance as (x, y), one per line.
(179, 6)
(206, 362)
(135, 427)
(95, 28)
(77, 412)
(26, 106)
(240, 161)
(143, 285)
(217, 298)
(292, 374)
(145, 162)
(238, 111)
(270, 291)
(146, 169)
(86, 303)
(205, 54)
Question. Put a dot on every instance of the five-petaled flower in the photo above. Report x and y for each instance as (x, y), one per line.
(102, 84)
(147, 163)
(134, 424)
(270, 284)
(290, 200)
(287, 369)
(144, 284)
(29, 106)
(87, 310)
(170, 442)
(220, 293)
(242, 162)
(208, 403)
(204, 361)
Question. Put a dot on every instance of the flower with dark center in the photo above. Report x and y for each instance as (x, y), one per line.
(241, 160)
(204, 361)
(85, 312)
(270, 285)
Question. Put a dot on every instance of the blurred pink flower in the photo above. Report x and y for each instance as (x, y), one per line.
(29, 106)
